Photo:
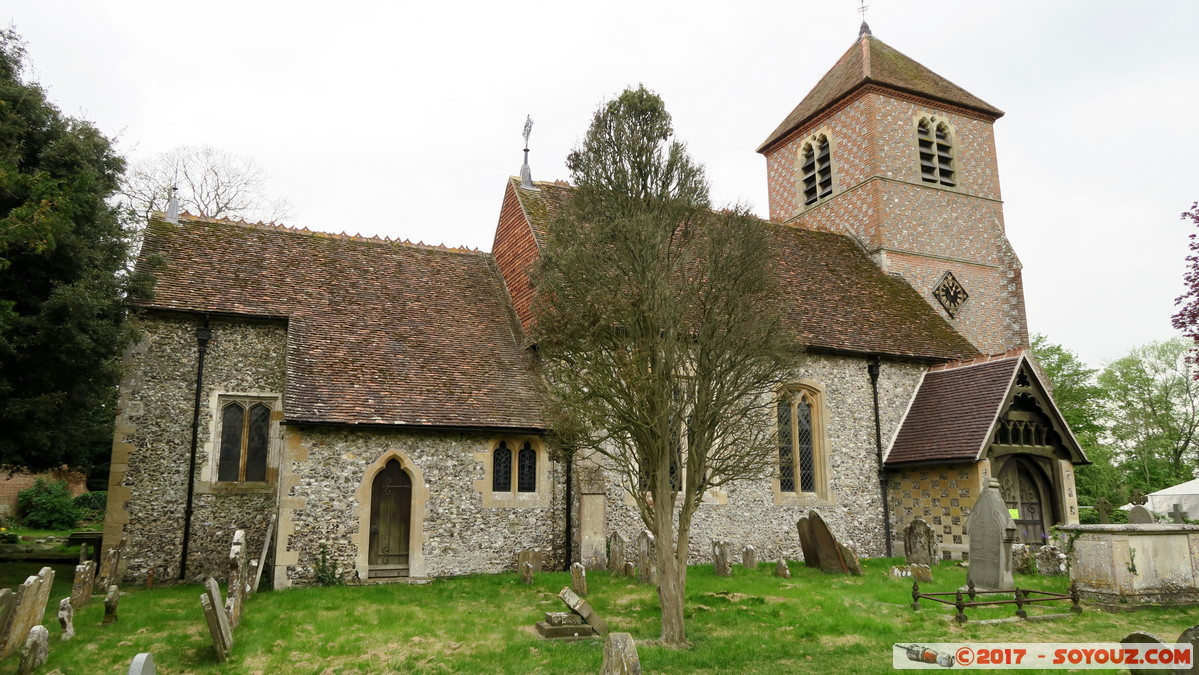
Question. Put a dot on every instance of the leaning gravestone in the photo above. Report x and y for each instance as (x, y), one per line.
(111, 600)
(261, 562)
(85, 579)
(28, 607)
(806, 543)
(720, 558)
(578, 578)
(620, 656)
(66, 618)
(647, 570)
(564, 626)
(831, 555)
(35, 651)
(579, 606)
(616, 553)
(919, 543)
(749, 558)
(217, 619)
(237, 583)
(143, 664)
(992, 532)
(1141, 638)
(1139, 515)
(110, 564)
(781, 570)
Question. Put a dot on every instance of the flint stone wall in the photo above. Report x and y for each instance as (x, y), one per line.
(152, 444)
(744, 512)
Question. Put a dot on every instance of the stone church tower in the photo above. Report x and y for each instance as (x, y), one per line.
(903, 160)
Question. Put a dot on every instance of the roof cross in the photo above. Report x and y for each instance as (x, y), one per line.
(862, 9)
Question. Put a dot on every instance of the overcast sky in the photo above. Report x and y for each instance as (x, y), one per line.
(404, 118)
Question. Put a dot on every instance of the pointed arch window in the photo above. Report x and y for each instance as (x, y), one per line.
(515, 466)
(526, 469)
(245, 442)
(816, 169)
(935, 140)
(800, 448)
(501, 468)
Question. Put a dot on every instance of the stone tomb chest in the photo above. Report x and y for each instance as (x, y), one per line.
(1137, 564)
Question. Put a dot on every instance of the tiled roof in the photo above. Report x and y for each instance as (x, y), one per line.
(871, 61)
(379, 332)
(954, 410)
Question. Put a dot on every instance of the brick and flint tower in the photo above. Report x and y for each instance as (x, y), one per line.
(903, 160)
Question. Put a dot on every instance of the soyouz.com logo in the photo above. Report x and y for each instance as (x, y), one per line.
(1046, 655)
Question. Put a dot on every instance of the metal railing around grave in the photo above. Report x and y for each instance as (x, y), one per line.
(1020, 600)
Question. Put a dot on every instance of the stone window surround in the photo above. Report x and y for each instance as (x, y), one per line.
(811, 139)
(210, 453)
(539, 498)
(820, 450)
(934, 120)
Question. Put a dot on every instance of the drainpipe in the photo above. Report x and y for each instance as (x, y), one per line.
(873, 366)
(569, 510)
(203, 335)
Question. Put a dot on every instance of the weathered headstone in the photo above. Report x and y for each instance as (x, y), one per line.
(1139, 515)
(1104, 507)
(1177, 515)
(1050, 560)
(238, 581)
(266, 545)
(526, 573)
(217, 619)
(749, 557)
(1190, 637)
(111, 600)
(29, 606)
(564, 625)
(579, 606)
(35, 651)
(782, 570)
(85, 579)
(620, 656)
(110, 563)
(8, 605)
(578, 578)
(806, 543)
(992, 532)
(831, 555)
(529, 556)
(647, 569)
(1141, 638)
(616, 553)
(66, 618)
(920, 543)
(143, 664)
(720, 558)
(630, 569)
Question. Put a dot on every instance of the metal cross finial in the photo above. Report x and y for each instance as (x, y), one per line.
(528, 130)
(862, 9)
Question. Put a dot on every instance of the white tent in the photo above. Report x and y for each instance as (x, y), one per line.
(1163, 500)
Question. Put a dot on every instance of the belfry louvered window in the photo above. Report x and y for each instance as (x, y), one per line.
(245, 442)
(936, 152)
(816, 169)
(797, 441)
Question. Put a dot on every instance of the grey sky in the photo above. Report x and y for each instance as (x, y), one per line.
(404, 118)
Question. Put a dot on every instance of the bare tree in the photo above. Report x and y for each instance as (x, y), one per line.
(658, 329)
(210, 182)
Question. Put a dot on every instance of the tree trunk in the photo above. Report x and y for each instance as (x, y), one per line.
(671, 591)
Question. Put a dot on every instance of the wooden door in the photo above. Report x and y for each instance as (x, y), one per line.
(1025, 490)
(391, 509)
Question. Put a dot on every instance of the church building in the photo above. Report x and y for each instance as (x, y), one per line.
(379, 400)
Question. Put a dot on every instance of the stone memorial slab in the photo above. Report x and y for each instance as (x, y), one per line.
(238, 581)
(217, 619)
(992, 532)
(563, 619)
(111, 600)
(831, 555)
(749, 558)
(29, 606)
(920, 543)
(564, 625)
(647, 569)
(110, 563)
(782, 570)
(579, 606)
(35, 650)
(8, 605)
(143, 664)
(66, 618)
(850, 560)
(1139, 515)
(529, 556)
(617, 555)
(578, 578)
(806, 543)
(720, 558)
(85, 580)
(526, 573)
(1141, 638)
(1050, 560)
(620, 656)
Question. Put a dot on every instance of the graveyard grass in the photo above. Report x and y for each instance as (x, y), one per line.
(751, 622)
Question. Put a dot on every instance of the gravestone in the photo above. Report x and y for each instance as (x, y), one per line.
(1050, 560)
(831, 555)
(143, 664)
(620, 656)
(781, 570)
(110, 563)
(564, 625)
(616, 553)
(526, 573)
(529, 556)
(111, 600)
(647, 570)
(919, 543)
(806, 543)
(66, 618)
(1104, 507)
(630, 569)
(238, 581)
(849, 560)
(1190, 637)
(1139, 515)
(992, 532)
(266, 545)
(1177, 515)
(217, 619)
(1139, 639)
(8, 604)
(720, 558)
(578, 578)
(35, 651)
(28, 608)
(579, 606)
(749, 558)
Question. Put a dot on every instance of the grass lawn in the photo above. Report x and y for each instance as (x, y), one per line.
(750, 623)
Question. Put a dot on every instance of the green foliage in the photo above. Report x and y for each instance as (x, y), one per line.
(326, 572)
(91, 505)
(48, 505)
(62, 253)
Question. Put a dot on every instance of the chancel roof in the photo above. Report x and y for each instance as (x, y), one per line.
(872, 61)
(379, 332)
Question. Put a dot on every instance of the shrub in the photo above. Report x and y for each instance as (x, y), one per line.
(326, 572)
(48, 506)
(91, 505)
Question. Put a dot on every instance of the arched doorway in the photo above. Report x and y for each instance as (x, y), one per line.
(1025, 489)
(391, 512)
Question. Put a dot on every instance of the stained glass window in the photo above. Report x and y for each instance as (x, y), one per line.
(786, 450)
(526, 475)
(501, 468)
(232, 420)
(245, 443)
(798, 436)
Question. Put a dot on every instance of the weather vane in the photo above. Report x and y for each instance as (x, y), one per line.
(526, 174)
(528, 130)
